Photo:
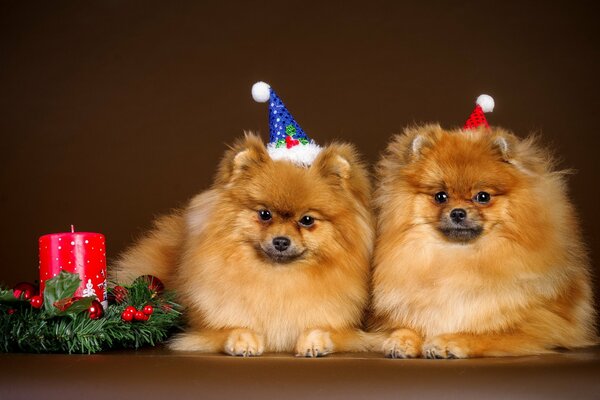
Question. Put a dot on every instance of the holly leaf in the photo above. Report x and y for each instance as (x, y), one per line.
(77, 307)
(290, 130)
(303, 140)
(280, 143)
(7, 296)
(63, 286)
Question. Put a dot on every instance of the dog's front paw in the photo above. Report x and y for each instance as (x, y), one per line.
(245, 343)
(403, 343)
(447, 346)
(314, 343)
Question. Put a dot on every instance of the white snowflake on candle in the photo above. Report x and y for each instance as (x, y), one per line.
(89, 289)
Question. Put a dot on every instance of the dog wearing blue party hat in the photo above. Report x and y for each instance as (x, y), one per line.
(274, 256)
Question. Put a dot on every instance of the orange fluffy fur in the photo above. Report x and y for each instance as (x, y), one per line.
(240, 301)
(521, 287)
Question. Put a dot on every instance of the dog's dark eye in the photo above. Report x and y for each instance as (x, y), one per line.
(483, 197)
(307, 221)
(265, 215)
(441, 197)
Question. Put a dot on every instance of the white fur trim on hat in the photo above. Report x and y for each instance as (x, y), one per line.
(301, 154)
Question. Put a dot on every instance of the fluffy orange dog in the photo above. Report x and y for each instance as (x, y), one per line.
(274, 257)
(479, 251)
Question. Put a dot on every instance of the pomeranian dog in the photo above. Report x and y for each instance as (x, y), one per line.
(274, 257)
(478, 251)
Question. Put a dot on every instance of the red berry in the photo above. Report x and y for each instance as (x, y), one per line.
(130, 309)
(36, 301)
(24, 290)
(148, 309)
(140, 316)
(126, 316)
(11, 311)
(96, 310)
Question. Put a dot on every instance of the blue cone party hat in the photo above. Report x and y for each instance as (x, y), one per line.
(287, 140)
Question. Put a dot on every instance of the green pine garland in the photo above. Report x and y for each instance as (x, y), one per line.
(49, 330)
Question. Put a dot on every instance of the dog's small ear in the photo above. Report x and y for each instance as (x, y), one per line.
(416, 145)
(341, 165)
(503, 144)
(330, 163)
(242, 158)
(410, 146)
(525, 154)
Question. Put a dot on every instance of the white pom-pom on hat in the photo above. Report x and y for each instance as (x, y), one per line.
(261, 92)
(486, 102)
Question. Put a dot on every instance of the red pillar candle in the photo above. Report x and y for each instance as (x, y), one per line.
(82, 253)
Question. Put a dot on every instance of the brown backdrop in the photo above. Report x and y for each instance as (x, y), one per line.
(115, 112)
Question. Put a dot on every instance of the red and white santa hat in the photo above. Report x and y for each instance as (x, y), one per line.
(484, 104)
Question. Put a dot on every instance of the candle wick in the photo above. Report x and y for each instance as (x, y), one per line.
(72, 228)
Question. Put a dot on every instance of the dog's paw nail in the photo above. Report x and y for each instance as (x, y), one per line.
(403, 343)
(244, 343)
(315, 343)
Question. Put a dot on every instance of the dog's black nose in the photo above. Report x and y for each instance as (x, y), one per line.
(458, 215)
(281, 243)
